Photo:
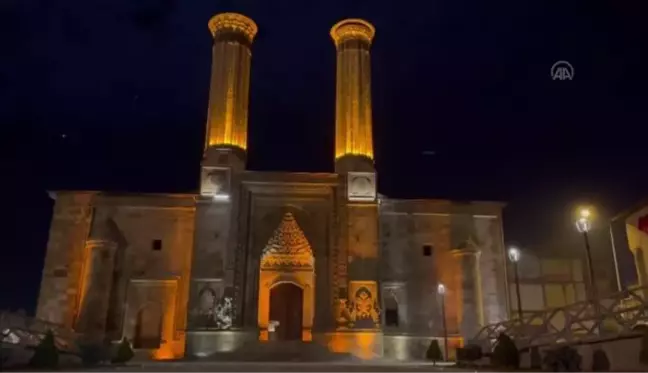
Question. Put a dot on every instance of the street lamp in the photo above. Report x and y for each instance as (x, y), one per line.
(583, 225)
(514, 256)
(441, 290)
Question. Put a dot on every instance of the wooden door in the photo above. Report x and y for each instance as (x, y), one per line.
(286, 302)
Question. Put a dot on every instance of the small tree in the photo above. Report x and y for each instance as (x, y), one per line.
(563, 359)
(434, 352)
(505, 354)
(124, 352)
(94, 353)
(46, 355)
(643, 353)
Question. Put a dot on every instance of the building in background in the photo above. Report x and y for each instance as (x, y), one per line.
(629, 235)
(315, 257)
(548, 281)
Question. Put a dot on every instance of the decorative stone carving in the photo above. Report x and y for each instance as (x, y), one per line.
(211, 314)
(352, 29)
(288, 246)
(233, 22)
(363, 311)
(215, 182)
(361, 186)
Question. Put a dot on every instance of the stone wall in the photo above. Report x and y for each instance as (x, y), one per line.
(266, 197)
(60, 284)
(107, 252)
(154, 276)
(420, 240)
(408, 348)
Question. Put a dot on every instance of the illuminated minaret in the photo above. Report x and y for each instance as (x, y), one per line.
(353, 132)
(227, 117)
(358, 252)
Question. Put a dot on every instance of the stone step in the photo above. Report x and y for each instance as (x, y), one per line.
(286, 351)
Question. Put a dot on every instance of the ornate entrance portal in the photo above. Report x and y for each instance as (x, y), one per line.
(286, 284)
(286, 300)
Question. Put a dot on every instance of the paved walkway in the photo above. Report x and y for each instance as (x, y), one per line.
(271, 367)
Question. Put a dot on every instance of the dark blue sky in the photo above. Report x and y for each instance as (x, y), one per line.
(127, 83)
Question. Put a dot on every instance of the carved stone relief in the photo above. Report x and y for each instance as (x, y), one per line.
(362, 310)
(213, 309)
(361, 186)
(215, 182)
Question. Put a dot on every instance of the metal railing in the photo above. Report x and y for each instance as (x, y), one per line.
(620, 314)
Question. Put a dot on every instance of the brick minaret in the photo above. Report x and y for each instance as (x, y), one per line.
(227, 117)
(358, 254)
(353, 133)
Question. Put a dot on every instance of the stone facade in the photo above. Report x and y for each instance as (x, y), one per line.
(115, 273)
(319, 257)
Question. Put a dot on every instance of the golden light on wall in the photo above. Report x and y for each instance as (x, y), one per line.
(230, 80)
(353, 117)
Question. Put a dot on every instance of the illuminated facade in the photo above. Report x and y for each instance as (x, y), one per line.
(271, 256)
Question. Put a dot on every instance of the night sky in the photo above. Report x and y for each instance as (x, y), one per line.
(112, 95)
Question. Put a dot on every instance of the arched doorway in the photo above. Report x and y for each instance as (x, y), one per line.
(148, 330)
(286, 307)
(286, 284)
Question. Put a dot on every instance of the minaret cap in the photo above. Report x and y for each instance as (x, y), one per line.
(233, 22)
(352, 28)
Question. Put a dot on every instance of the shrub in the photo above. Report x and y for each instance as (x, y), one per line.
(505, 354)
(124, 352)
(600, 361)
(643, 353)
(434, 351)
(94, 353)
(563, 359)
(469, 354)
(46, 355)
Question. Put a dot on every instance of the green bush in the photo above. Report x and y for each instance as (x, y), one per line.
(124, 352)
(94, 353)
(46, 355)
(434, 351)
(505, 354)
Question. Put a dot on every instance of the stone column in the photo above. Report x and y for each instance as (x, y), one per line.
(471, 302)
(95, 294)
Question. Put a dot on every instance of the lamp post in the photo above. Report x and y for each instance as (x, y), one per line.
(514, 256)
(441, 290)
(583, 225)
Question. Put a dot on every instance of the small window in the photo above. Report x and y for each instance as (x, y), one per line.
(157, 245)
(427, 250)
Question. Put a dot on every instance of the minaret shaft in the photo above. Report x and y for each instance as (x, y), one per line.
(227, 117)
(353, 119)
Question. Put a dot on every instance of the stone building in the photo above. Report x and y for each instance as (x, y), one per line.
(269, 256)
(629, 236)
